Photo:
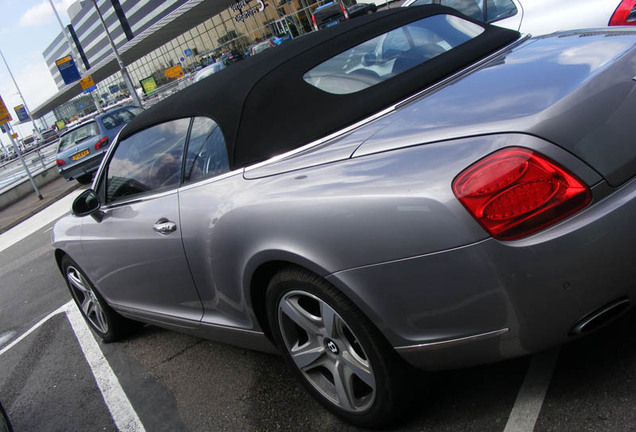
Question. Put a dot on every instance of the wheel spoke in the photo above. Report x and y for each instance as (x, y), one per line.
(76, 279)
(329, 318)
(361, 370)
(308, 355)
(87, 306)
(101, 319)
(344, 385)
(300, 316)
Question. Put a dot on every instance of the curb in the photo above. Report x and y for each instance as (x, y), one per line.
(38, 208)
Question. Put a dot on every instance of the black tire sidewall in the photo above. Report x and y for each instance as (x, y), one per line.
(384, 361)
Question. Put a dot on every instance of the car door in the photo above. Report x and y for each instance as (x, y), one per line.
(136, 248)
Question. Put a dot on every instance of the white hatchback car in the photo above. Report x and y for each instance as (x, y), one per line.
(539, 17)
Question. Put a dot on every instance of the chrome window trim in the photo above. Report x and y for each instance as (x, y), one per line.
(187, 186)
(138, 199)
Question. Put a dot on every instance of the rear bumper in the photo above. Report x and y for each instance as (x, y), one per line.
(495, 300)
(86, 165)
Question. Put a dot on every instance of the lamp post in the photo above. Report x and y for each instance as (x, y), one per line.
(74, 53)
(36, 130)
(124, 72)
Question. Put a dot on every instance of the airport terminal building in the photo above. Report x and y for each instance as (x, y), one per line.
(153, 36)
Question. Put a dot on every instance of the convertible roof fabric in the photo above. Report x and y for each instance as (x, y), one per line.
(265, 108)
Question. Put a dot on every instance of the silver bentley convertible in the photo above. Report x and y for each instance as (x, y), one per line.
(410, 188)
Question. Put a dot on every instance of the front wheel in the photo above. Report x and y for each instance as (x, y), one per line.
(104, 321)
(337, 353)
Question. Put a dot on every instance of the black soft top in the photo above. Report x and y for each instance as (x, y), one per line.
(264, 107)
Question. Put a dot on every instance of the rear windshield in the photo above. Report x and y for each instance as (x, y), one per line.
(77, 135)
(392, 53)
(327, 12)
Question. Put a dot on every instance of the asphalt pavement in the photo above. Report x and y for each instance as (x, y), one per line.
(30, 205)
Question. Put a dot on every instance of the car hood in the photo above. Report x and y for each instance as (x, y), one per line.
(575, 89)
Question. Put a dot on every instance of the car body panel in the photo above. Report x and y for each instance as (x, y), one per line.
(539, 17)
(505, 285)
(371, 209)
(137, 268)
(569, 96)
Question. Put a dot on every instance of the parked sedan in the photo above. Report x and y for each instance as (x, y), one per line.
(209, 70)
(82, 147)
(543, 16)
(467, 196)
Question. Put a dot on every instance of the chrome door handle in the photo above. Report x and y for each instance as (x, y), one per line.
(164, 226)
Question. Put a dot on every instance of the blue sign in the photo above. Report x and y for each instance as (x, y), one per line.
(188, 52)
(68, 69)
(182, 59)
(89, 89)
(21, 112)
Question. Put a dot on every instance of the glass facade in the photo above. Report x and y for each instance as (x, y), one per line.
(233, 30)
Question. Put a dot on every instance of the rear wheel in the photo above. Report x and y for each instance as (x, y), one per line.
(104, 321)
(337, 353)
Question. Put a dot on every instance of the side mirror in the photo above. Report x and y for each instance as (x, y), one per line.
(87, 203)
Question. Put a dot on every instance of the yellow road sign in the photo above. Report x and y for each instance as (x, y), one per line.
(63, 60)
(174, 72)
(87, 82)
(5, 115)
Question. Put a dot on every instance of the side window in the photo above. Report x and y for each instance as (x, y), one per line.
(207, 153)
(500, 9)
(149, 161)
(470, 8)
(495, 9)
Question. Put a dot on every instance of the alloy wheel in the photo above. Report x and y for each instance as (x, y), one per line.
(86, 299)
(326, 351)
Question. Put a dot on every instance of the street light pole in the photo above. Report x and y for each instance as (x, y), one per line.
(75, 54)
(26, 108)
(124, 72)
(24, 165)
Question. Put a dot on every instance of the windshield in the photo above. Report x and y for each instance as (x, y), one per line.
(391, 53)
(77, 135)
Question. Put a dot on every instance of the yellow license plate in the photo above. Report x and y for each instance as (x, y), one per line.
(80, 155)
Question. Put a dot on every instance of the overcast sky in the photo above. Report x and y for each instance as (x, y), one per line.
(27, 27)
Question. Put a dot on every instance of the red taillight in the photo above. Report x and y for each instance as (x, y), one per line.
(625, 14)
(344, 11)
(60, 162)
(515, 192)
(101, 143)
(313, 19)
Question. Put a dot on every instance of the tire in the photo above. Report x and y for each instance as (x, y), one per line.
(5, 424)
(85, 179)
(344, 361)
(101, 318)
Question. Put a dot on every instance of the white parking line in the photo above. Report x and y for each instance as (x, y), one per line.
(59, 310)
(119, 406)
(121, 410)
(525, 412)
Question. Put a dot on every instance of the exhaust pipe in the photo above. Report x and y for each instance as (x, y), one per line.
(600, 317)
